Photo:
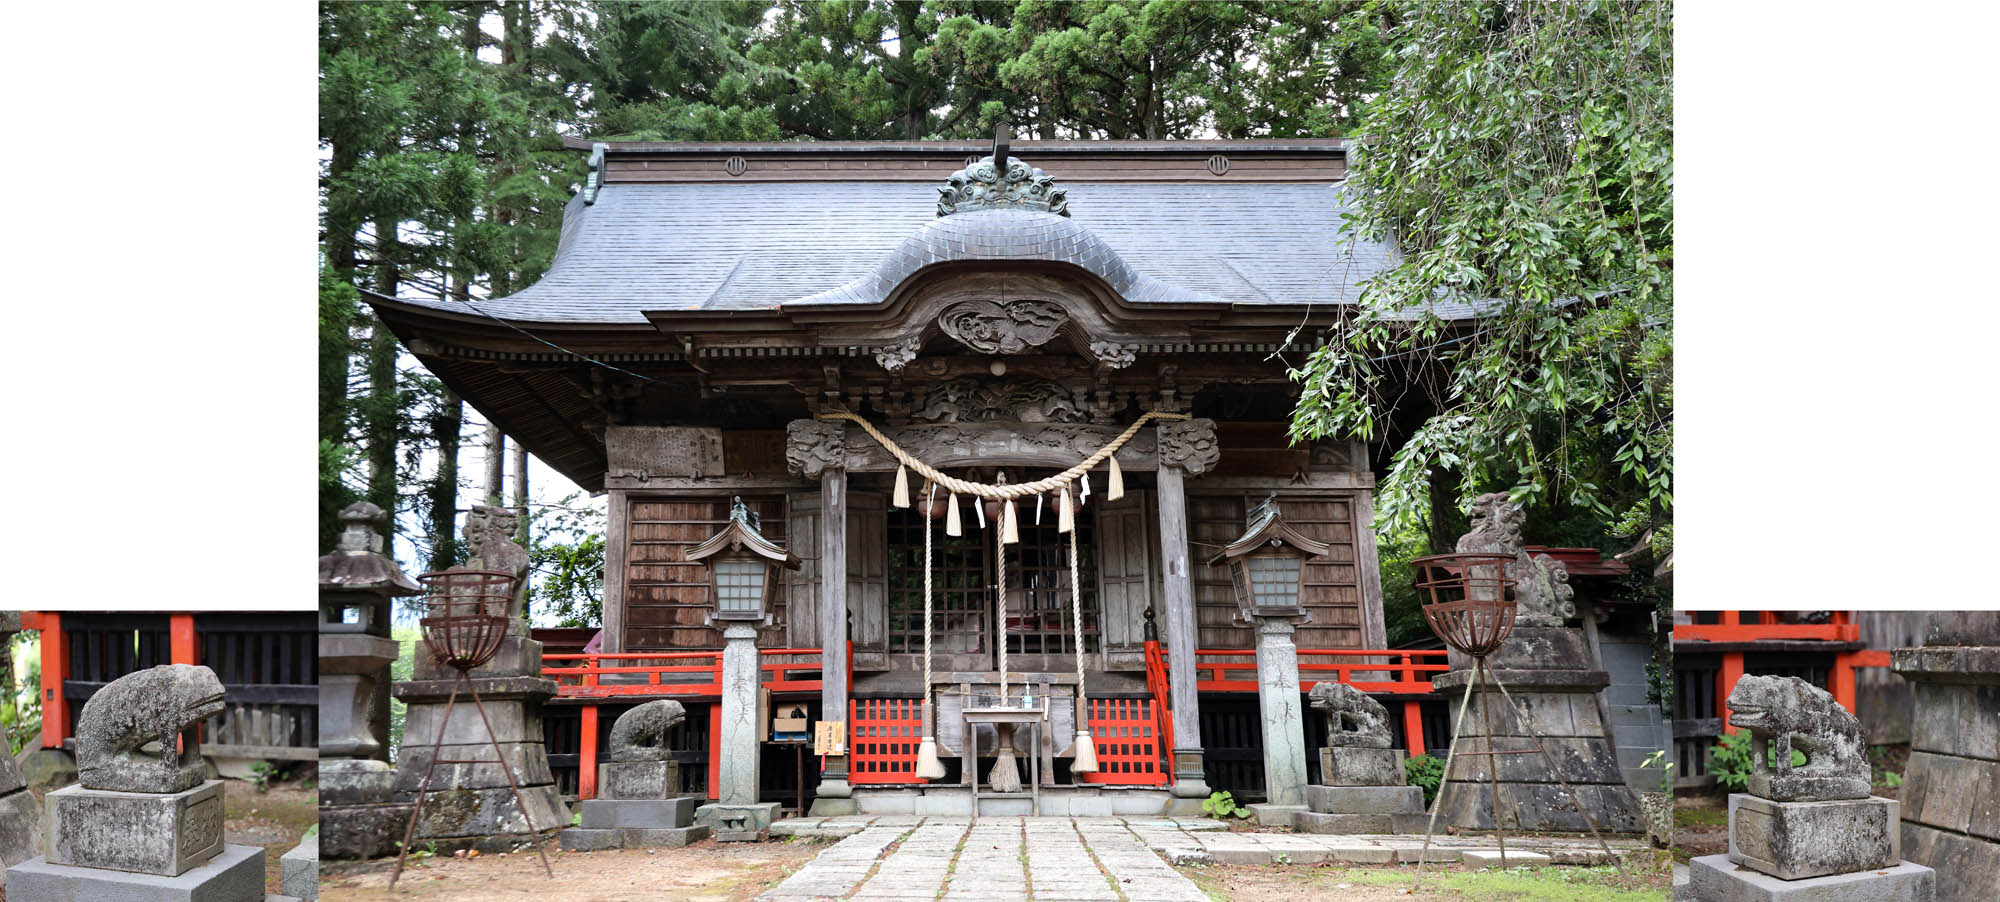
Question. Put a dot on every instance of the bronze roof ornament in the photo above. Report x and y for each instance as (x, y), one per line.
(999, 180)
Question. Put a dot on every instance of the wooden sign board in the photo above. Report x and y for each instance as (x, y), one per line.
(830, 737)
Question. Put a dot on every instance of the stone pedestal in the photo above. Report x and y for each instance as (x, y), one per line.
(20, 816)
(1713, 878)
(1283, 720)
(1951, 789)
(352, 666)
(1796, 840)
(1371, 797)
(138, 832)
(236, 874)
(1546, 672)
(298, 869)
(639, 780)
(736, 814)
(635, 823)
(471, 803)
(359, 816)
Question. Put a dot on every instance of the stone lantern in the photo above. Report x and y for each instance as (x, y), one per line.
(743, 568)
(1267, 565)
(1267, 568)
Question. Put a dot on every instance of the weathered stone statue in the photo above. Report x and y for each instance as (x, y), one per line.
(1353, 720)
(1362, 785)
(1551, 672)
(143, 824)
(163, 705)
(1812, 831)
(1541, 583)
(639, 802)
(1787, 714)
(489, 532)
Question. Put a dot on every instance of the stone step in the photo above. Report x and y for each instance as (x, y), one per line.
(585, 839)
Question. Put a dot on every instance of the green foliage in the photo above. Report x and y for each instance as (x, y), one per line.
(566, 550)
(1520, 158)
(1222, 805)
(1730, 759)
(1659, 759)
(1892, 779)
(1424, 771)
(21, 714)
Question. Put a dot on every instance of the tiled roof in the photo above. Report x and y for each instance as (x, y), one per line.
(758, 246)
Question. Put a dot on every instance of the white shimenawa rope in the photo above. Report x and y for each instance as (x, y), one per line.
(929, 503)
(1013, 490)
(1076, 606)
(1000, 576)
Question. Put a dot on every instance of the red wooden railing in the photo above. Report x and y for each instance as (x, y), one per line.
(882, 740)
(1764, 625)
(1127, 733)
(671, 674)
(1235, 670)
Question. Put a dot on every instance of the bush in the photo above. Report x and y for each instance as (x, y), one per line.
(1730, 760)
(1424, 771)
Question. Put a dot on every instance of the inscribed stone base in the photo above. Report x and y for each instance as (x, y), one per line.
(236, 874)
(736, 819)
(299, 869)
(1275, 815)
(20, 827)
(1796, 840)
(586, 839)
(1365, 799)
(1351, 824)
(1360, 767)
(362, 831)
(639, 780)
(142, 832)
(1715, 879)
(456, 813)
(606, 814)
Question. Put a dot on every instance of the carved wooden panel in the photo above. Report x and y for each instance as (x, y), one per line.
(652, 452)
(1126, 551)
(666, 596)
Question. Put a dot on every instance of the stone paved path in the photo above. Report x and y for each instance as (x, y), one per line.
(1085, 859)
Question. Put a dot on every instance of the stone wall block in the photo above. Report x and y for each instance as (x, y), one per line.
(20, 828)
(1969, 869)
(1957, 720)
(512, 722)
(484, 812)
(529, 760)
(1577, 760)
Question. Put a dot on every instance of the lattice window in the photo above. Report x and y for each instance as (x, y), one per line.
(1038, 617)
(961, 585)
(1038, 614)
(883, 738)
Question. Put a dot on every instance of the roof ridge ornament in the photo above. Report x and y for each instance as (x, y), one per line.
(1001, 180)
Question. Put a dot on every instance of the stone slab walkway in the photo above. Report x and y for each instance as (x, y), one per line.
(1086, 859)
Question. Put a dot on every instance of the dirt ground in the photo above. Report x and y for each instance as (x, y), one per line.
(1641, 883)
(705, 871)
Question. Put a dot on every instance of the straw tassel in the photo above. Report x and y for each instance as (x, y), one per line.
(1065, 520)
(928, 765)
(1085, 495)
(979, 510)
(1086, 749)
(1038, 509)
(1010, 530)
(1116, 489)
(951, 527)
(902, 496)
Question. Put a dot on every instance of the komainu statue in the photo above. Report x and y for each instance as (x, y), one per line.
(1788, 714)
(641, 733)
(1541, 583)
(1353, 720)
(149, 706)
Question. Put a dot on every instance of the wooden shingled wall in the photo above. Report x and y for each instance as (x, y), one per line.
(1332, 583)
(666, 597)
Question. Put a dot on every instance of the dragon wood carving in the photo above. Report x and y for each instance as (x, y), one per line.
(1010, 327)
(975, 400)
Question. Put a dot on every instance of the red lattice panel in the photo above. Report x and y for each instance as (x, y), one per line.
(1127, 736)
(882, 739)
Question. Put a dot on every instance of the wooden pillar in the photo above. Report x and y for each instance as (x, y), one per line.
(715, 750)
(834, 670)
(1178, 600)
(1413, 727)
(1732, 670)
(617, 533)
(586, 755)
(1840, 682)
(55, 669)
(182, 646)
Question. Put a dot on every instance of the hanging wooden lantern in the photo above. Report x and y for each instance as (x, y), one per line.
(1267, 565)
(743, 566)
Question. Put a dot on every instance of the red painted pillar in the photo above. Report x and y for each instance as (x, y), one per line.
(1413, 728)
(55, 669)
(181, 642)
(1841, 681)
(1732, 670)
(586, 757)
(715, 750)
